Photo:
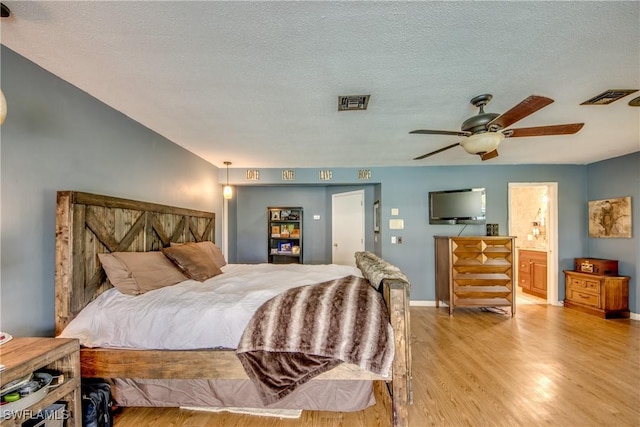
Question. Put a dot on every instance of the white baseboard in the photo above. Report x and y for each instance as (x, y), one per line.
(414, 303)
(425, 303)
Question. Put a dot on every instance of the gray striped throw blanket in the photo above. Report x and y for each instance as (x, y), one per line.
(308, 330)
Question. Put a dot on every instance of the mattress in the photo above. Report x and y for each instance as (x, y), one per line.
(191, 314)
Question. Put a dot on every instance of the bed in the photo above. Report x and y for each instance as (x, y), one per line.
(90, 224)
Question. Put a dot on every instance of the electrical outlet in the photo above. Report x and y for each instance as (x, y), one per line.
(393, 240)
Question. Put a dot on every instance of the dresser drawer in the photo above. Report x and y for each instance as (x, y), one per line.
(584, 298)
(467, 245)
(584, 285)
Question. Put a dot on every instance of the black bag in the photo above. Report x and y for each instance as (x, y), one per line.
(96, 404)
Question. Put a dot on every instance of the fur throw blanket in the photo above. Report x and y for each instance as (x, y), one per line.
(308, 330)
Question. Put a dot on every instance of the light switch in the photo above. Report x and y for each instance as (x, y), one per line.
(395, 211)
(316, 217)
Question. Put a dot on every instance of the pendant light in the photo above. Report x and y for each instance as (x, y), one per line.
(3, 107)
(227, 193)
(6, 13)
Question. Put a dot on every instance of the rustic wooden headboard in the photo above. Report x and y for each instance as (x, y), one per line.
(89, 224)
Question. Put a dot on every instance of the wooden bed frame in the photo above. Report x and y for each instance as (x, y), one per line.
(88, 224)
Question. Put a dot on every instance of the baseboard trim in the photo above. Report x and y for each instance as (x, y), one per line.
(423, 303)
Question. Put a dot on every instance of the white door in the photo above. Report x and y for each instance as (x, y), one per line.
(347, 226)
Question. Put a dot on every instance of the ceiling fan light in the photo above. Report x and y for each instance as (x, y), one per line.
(482, 142)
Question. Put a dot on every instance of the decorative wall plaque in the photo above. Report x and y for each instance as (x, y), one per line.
(288, 174)
(253, 175)
(364, 174)
(326, 175)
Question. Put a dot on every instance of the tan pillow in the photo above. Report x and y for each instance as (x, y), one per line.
(135, 273)
(212, 250)
(193, 261)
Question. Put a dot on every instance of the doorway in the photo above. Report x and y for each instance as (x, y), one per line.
(533, 220)
(347, 226)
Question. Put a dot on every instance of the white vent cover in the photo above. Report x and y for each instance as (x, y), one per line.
(353, 102)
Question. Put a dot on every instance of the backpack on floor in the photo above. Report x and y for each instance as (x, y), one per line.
(96, 404)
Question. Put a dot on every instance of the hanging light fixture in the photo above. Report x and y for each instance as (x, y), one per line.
(227, 193)
(3, 102)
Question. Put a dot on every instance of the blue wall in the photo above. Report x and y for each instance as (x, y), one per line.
(250, 222)
(407, 189)
(619, 177)
(57, 137)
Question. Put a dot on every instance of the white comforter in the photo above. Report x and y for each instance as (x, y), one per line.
(192, 315)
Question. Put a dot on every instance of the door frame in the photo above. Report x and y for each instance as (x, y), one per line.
(333, 198)
(552, 235)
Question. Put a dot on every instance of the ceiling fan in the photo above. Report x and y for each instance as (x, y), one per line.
(485, 131)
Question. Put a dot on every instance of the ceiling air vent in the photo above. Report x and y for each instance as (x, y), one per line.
(635, 102)
(608, 96)
(353, 102)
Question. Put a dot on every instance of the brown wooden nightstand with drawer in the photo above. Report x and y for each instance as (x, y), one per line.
(22, 356)
(604, 296)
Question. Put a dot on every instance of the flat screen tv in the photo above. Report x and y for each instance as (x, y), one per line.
(468, 206)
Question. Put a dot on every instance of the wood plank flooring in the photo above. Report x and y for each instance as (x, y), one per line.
(546, 366)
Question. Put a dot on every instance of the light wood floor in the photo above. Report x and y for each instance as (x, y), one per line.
(547, 366)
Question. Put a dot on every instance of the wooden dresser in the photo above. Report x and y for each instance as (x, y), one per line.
(474, 271)
(604, 296)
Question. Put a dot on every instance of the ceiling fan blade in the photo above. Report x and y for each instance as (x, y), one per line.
(441, 132)
(437, 151)
(528, 106)
(566, 129)
(489, 155)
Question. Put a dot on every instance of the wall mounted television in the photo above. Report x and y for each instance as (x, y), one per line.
(467, 206)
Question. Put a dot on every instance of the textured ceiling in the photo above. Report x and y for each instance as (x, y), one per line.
(256, 83)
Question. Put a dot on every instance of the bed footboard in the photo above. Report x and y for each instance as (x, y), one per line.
(396, 295)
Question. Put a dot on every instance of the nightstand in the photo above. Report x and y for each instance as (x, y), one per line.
(22, 356)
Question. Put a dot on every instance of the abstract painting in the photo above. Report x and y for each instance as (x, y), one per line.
(610, 218)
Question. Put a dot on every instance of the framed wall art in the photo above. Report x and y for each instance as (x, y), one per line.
(610, 218)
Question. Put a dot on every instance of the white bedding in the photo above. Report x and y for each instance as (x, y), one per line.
(192, 315)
